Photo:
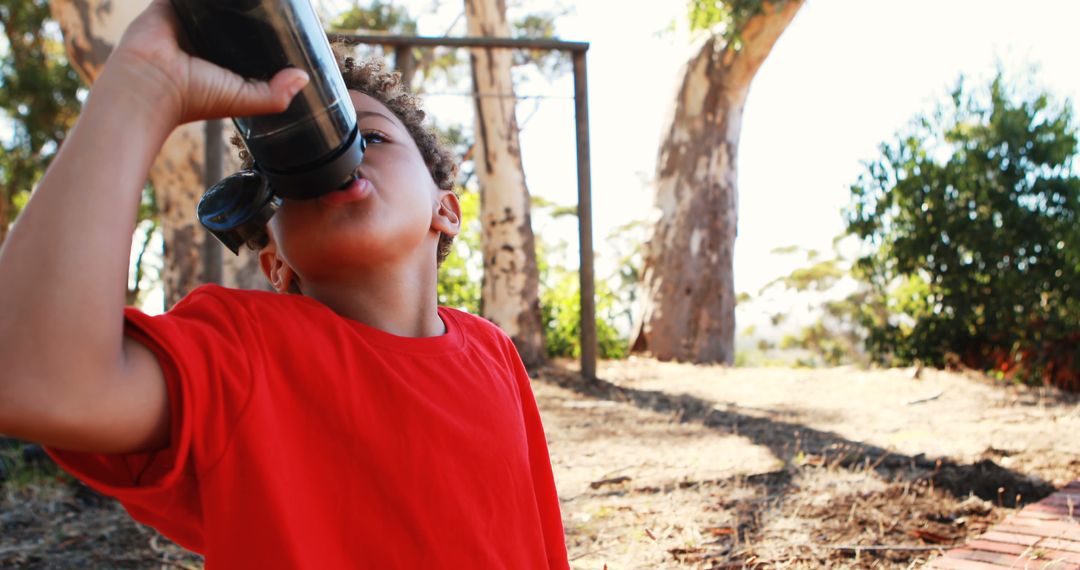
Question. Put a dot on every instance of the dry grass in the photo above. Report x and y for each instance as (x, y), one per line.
(705, 467)
(48, 521)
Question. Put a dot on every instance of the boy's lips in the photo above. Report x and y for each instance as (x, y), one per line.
(358, 189)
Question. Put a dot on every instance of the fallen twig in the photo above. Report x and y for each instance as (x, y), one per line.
(926, 399)
(612, 481)
(610, 473)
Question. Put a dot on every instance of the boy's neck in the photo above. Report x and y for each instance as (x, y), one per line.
(401, 303)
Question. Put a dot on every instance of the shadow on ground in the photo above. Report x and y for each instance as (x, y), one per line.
(795, 443)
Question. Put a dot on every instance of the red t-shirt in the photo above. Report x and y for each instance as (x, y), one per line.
(302, 439)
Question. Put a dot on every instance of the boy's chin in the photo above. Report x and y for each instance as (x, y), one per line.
(356, 257)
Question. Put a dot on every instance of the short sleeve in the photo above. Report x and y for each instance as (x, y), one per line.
(547, 497)
(202, 346)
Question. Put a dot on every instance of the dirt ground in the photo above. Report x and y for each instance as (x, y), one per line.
(676, 466)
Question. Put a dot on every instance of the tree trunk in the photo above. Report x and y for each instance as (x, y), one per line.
(405, 64)
(688, 288)
(91, 28)
(510, 295)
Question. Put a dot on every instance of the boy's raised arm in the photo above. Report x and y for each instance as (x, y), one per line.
(68, 377)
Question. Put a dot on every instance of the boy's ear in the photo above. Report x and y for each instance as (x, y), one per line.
(281, 277)
(446, 218)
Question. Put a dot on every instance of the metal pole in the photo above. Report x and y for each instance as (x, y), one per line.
(481, 42)
(213, 172)
(585, 270)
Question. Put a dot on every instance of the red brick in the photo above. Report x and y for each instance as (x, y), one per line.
(1057, 544)
(1024, 553)
(1050, 555)
(1010, 538)
(1064, 534)
(1057, 529)
(1000, 547)
(960, 564)
(984, 556)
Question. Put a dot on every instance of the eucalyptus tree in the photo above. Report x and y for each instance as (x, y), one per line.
(688, 291)
(510, 293)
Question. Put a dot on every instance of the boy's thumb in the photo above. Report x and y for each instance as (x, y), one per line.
(286, 84)
(246, 98)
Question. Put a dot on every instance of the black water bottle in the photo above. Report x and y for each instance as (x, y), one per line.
(311, 148)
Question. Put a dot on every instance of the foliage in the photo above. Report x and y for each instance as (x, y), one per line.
(39, 100)
(377, 16)
(560, 293)
(627, 246)
(836, 336)
(540, 25)
(971, 216)
(560, 302)
(24, 465)
(727, 18)
(459, 274)
(820, 276)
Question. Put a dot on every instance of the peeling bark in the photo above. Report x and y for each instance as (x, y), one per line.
(688, 288)
(510, 296)
(91, 28)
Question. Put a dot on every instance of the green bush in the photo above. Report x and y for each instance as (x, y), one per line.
(460, 273)
(460, 286)
(970, 217)
(560, 303)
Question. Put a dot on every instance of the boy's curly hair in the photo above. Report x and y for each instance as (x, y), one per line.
(373, 78)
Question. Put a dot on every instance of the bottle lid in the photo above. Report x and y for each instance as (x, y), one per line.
(237, 209)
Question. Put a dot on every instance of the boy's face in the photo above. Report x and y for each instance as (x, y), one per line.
(394, 215)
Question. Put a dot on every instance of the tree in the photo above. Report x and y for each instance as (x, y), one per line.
(840, 303)
(688, 292)
(39, 101)
(510, 296)
(971, 217)
(91, 28)
(384, 17)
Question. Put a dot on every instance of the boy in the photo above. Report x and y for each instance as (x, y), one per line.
(345, 421)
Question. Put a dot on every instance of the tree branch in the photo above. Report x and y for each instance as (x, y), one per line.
(758, 36)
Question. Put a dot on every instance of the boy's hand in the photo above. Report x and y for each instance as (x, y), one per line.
(184, 88)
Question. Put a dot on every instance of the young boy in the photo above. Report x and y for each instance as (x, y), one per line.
(343, 422)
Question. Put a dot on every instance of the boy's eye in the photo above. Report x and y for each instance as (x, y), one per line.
(373, 137)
